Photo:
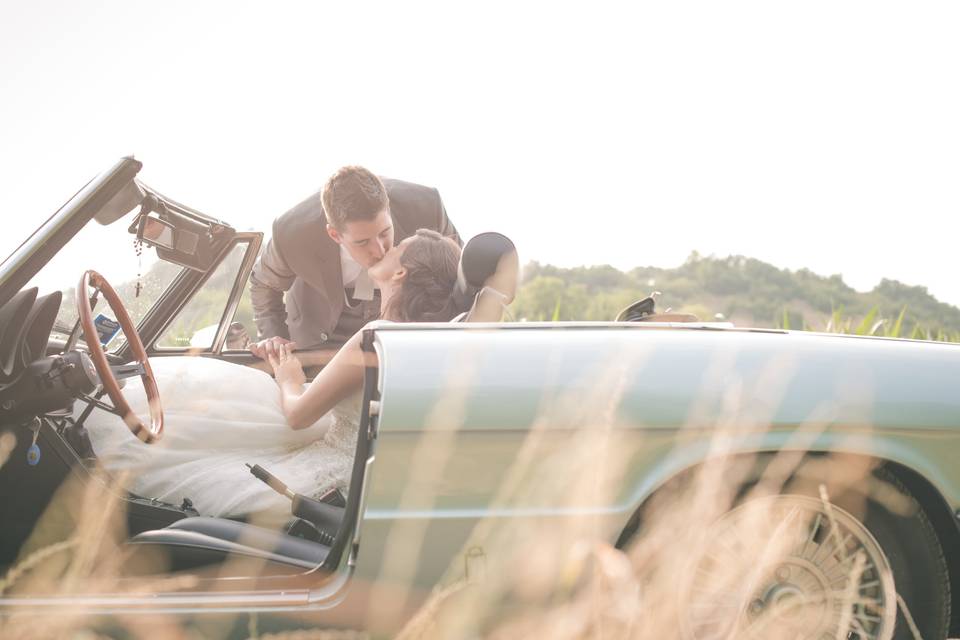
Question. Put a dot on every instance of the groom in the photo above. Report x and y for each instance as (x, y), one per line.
(320, 252)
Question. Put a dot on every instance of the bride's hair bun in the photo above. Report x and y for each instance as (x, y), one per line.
(431, 262)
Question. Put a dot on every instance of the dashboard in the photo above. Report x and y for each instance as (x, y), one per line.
(31, 381)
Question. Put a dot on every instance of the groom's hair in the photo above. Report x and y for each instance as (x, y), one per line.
(351, 194)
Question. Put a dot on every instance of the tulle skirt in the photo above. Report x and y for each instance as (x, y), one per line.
(219, 417)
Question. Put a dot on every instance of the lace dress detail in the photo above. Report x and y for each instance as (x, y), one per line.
(218, 417)
(327, 463)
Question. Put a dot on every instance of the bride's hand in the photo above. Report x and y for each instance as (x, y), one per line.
(286, 366)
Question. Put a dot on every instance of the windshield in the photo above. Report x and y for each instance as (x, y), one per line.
(113, 252)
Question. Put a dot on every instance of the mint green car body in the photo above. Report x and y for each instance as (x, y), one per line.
(657, 395)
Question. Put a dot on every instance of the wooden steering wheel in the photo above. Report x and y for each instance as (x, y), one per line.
(111, 375)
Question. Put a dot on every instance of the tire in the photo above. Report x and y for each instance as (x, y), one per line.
(781, 566)
(916, 556)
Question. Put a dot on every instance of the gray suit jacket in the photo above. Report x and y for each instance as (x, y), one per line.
(302, 260)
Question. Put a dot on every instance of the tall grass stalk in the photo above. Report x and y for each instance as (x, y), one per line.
(873, 324)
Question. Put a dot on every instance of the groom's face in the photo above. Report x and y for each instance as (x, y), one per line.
(367, 241)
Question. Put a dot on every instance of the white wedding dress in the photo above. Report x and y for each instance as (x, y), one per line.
(218, 417)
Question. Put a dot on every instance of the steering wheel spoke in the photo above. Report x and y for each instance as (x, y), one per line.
(99, 404)
(128, 370)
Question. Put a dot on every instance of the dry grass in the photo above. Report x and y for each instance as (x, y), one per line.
(571, 584)
(560, 577)
(705, 545)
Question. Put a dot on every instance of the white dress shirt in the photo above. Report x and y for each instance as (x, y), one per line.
(355, 276)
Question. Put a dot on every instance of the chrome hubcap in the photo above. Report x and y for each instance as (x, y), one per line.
(789, 567)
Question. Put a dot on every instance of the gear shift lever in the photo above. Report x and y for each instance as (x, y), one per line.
(326, 517)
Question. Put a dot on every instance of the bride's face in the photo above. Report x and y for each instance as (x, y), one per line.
(388, 271)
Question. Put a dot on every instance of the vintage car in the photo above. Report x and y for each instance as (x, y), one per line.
(646, 477)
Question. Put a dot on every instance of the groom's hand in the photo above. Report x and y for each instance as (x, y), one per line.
(269, 347)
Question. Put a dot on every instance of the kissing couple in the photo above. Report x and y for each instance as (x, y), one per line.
(362, 248)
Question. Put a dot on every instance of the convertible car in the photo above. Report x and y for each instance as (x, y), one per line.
(653, 476)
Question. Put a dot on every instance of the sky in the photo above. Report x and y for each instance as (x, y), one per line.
(820, 135)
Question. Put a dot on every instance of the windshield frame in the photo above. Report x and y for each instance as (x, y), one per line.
(44, 243)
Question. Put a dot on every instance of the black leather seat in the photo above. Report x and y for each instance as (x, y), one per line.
(199, 541)
(487, 277)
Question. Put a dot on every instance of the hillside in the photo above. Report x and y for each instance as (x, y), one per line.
(745, 291)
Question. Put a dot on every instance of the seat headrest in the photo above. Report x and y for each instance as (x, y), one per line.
(487, 277)
(479, 261)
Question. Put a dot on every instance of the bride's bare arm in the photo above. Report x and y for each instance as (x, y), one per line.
(343, 376)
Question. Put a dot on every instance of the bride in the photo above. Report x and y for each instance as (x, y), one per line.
(220, 415)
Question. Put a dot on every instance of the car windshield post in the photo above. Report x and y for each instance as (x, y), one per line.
(24, 263)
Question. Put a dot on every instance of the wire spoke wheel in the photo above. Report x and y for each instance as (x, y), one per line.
(792, 567)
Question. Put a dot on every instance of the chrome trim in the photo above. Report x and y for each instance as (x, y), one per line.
(368, 464)
(361, 510)
(117, 602)
(724, 327)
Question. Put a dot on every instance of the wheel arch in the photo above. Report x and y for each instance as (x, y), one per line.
(929, 497)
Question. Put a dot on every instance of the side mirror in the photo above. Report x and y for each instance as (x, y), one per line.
(237, 337)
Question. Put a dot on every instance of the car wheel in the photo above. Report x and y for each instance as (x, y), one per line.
(800, 566)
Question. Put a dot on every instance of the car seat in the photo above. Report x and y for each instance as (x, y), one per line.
(487, 277)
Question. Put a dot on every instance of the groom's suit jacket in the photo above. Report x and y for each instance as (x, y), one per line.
(303, 261)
